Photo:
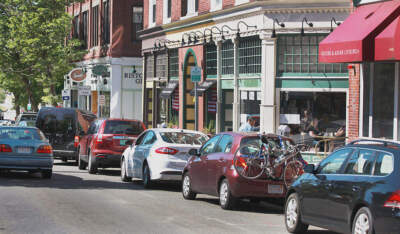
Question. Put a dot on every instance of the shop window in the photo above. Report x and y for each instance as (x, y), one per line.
(95, 26)
(173, 63)
(311, 115)
(162, 65)
(137, 21)
(211, 59)
(299, 55)
(228, 61)
(149, 66)
(250, 102)
(250, 55)
(106, 22)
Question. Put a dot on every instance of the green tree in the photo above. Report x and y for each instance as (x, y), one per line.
(36, 55)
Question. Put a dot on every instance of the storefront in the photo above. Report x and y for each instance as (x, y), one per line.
(374, 78)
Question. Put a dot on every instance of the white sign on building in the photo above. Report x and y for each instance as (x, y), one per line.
(84, 90)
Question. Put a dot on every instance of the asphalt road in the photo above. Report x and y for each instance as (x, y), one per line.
(75, 202)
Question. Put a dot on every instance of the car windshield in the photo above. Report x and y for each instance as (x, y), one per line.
(184, 138)
(21, 134)
(123, 127)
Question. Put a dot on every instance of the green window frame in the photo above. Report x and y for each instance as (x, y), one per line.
(250, 55)
(228, 60)
(149, 66)
(298, 55)
(211, 59)
(173, 63)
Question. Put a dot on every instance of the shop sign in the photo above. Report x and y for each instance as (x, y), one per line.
(84, 90)
(137, 76)
(77, 75)
(100, 70)
(195, 74)
(102, 100)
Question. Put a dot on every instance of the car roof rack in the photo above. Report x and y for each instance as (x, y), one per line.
(385, 143)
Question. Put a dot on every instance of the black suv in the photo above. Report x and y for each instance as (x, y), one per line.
(354, 190)
(63, 128)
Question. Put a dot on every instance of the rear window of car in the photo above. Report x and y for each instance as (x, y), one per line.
(123, 127)
(384, 164)
(21, 134)
(28, 117)
(183, 138)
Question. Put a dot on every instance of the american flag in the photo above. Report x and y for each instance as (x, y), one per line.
(175, 100)
(212, 100)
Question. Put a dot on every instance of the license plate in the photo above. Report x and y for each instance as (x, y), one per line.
(275, 189)
(122, 142)
(24, 150)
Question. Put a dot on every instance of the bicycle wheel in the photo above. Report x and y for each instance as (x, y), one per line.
(293, 170)
(249, 161)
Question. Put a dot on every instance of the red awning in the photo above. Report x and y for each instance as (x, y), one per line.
(387, 44)
(353, 40)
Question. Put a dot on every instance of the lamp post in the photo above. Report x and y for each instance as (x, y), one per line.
(282, 25)
(333, 20)
(302, 25)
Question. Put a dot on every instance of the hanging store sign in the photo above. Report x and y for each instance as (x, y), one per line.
(102, 100)
(84, 90)
(195, 74)
(100, 70)
(77, 75)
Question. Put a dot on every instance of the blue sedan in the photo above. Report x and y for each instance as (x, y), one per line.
(26, 149)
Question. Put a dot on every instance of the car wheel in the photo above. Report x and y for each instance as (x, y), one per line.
(92, 168)
(292, 215)
(363, 222)
(226, 199)
(124, 176)
(187, 191)
(81, 164)
(146, 176)
(47, 174)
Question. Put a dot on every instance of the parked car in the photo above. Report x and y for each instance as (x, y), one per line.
(105, 142)
(211, 171)
(160, 154)
(26, 116)
(354, 190)
(25, 148)
(63, 127)
(27, 123)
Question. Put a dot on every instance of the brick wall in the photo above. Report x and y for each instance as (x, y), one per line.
(228, 3)
(145, 13)
(204, 7)
(159, 12)
(176, 10)
(354, 103)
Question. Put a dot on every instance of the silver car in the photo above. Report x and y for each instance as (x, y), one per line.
(27, 149)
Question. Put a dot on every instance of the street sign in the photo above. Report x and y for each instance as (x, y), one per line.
(65, 98)
(195, 74)
(29, 107)
(102, 100)
(84, 90)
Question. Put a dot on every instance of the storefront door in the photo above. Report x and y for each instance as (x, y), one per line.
(188, 109)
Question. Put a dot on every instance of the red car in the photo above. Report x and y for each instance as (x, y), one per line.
(211, 171)
(105, 142)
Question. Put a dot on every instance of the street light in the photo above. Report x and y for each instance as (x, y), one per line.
(333, 20)
(247, 27)
(302, 25)
(226, 26)
(282, 25)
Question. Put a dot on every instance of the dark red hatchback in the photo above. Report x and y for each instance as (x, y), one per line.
(211, 171)
(105, 142)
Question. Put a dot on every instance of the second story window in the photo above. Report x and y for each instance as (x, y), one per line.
(106, 22)
(152, 12)
(95, 26)
(167, 11)
(216, 5)
(189, 7)
(76, 28)
(137, 21)
(85, 29)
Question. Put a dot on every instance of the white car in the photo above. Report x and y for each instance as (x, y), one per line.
(159, 154)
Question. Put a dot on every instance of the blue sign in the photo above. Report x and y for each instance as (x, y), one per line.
(195, 74)
(65, 98)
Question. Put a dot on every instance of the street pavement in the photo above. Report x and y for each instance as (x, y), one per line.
(74, 201)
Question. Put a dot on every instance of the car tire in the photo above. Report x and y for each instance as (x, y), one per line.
(47, 174)
(293, 221)
(146, 176)
(81, 164)
(363, 221)
(226, 200)
(187, 191)
(124, 176)
(92, 167)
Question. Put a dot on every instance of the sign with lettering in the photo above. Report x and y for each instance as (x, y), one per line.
(195, 74)
(77, 75)
(84, 90)
(102, 100)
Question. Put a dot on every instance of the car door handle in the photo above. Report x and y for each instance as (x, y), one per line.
(356, 188)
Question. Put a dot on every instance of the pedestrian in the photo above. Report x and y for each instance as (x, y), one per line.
(249, 125)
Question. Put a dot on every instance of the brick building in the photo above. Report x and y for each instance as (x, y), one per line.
(113, 65)
(258, 58)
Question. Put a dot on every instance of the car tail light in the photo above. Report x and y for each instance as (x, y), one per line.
(166, 150)
(44, 149)
(103, 141)
(394, 200)
(99, 138)
(76, 141)
(5, 148)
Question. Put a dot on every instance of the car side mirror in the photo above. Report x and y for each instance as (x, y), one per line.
(309, 168)
(194, 152)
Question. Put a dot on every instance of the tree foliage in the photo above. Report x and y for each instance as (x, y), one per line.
(34, 52)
